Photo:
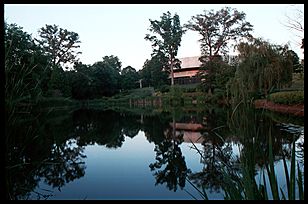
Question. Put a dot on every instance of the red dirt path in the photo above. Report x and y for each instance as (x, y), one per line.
(291, 109)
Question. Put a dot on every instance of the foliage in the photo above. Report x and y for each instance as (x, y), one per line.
(112, 62)
(297, 66)
(247, 188)
(297, 81)
(97, 80)
(129, 78)
(175, 96)
(135, 93)
(260, 147)
(56, 102)
(59, 83)
(152, 73)
(215, 75)
(287, 97)
(164, 88)
(27, 69)
(166, 40)
(105, 80)
(81, 82)
(218, 29)
(59, 43)
(263, 67)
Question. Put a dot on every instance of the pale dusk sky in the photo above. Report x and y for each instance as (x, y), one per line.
(119, 30)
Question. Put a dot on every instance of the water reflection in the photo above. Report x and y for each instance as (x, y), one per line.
(170, 166)
(41, 149)
(50, 147)
(216, 153)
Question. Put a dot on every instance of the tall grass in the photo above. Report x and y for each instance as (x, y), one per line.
(244, 185)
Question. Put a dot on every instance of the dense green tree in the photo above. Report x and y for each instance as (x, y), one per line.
(113, 62)
(263, 67)
(166, 39)
(129, 78)
(218, 29)
(27, 69)
(81, 81)
(60, 83)
(59, 43)
(297, 66)
(105, 80)
(97, 80)
(216, 83)
(153, 74)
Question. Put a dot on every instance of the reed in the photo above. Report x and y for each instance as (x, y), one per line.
(244, 185)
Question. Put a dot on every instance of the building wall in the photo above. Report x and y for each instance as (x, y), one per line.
(188, 73)
(190, 67)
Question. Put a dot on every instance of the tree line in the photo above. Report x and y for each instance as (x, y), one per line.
(39, 67)
(259, 68)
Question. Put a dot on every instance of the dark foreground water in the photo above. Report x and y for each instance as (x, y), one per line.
(95, 154)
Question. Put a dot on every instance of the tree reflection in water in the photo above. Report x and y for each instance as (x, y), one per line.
(250, 130)
(64, 164)
(44, 153)
(216, 153)
(50, 148)
(169, 157)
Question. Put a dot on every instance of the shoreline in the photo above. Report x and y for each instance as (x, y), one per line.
(297, 109)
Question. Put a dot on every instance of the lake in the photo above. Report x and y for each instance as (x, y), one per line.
(89, 154)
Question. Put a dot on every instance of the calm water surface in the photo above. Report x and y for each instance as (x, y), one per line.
(95, 154)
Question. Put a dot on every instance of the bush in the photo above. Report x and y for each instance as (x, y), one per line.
(287, 97)
(164, 88)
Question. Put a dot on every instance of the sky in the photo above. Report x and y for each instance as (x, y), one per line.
(119, 29)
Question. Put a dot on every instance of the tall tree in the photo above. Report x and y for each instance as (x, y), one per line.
(166, 39)
(60, 44)
(218, 29)
(113, 63)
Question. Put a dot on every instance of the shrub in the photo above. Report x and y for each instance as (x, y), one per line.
(287, 97)
(164, 88)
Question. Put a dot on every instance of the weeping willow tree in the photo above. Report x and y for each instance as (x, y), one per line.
(263, 67)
